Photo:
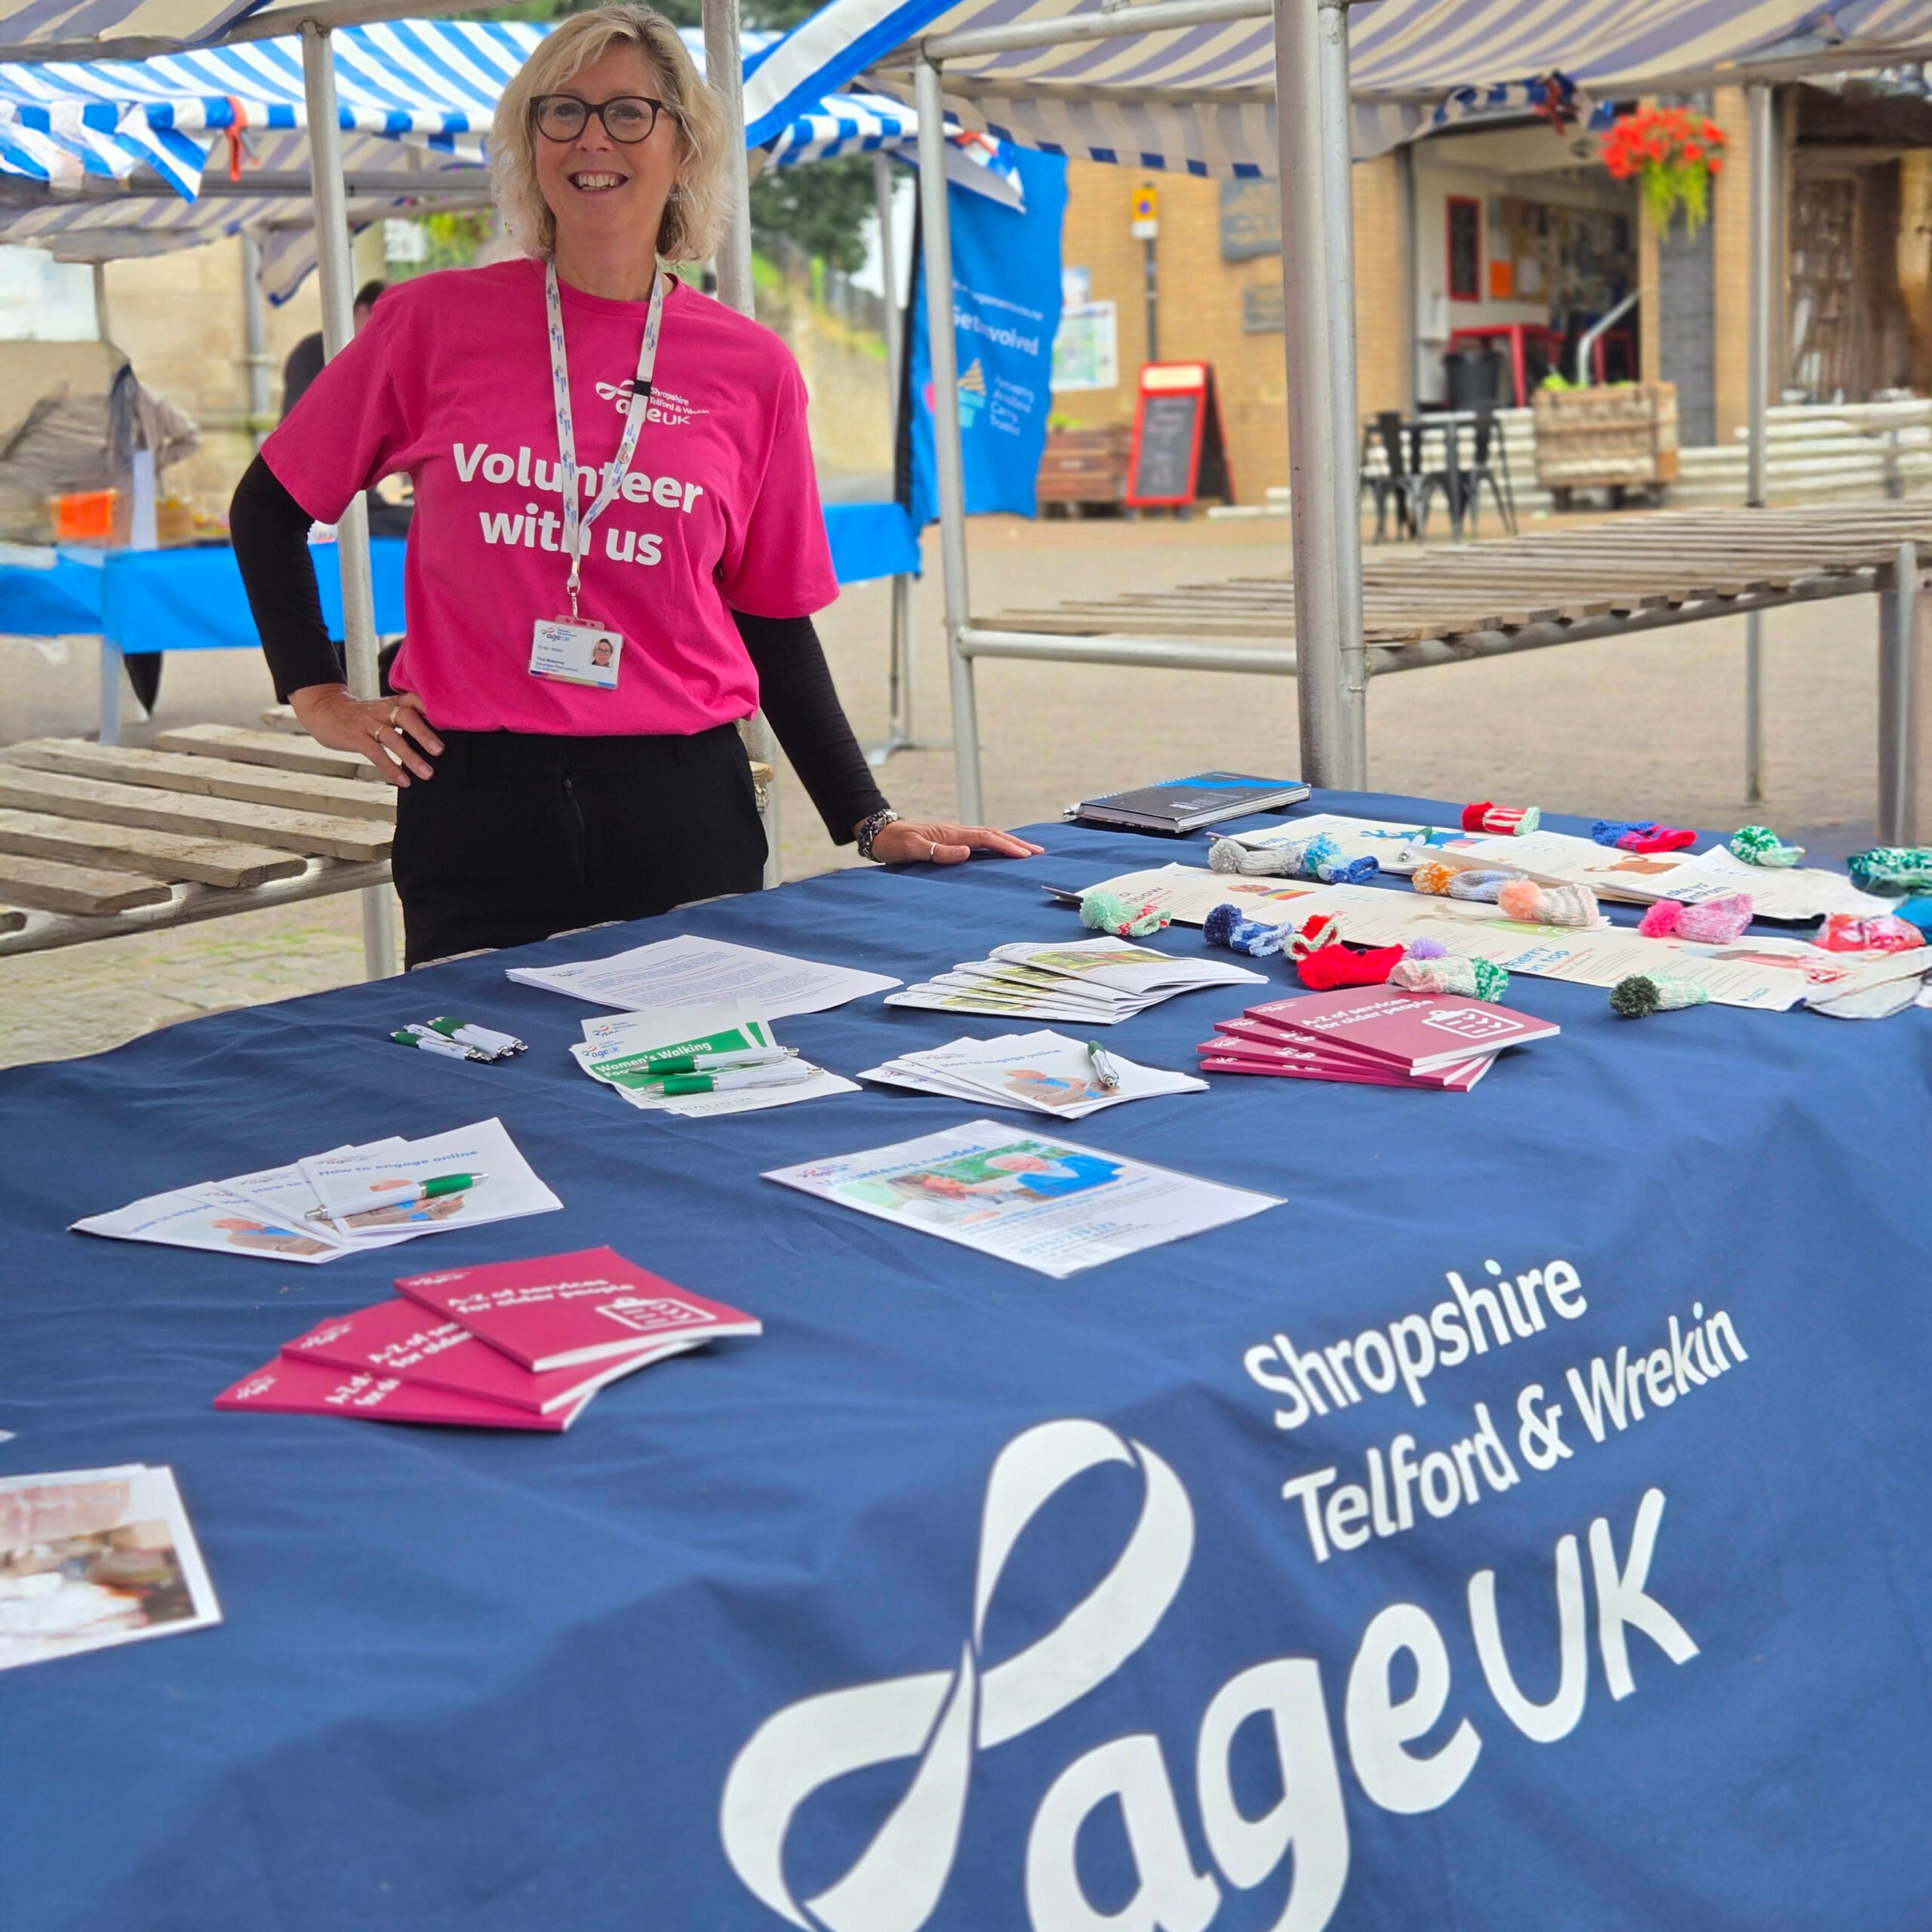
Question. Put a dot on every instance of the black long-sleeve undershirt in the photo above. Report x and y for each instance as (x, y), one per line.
(270, 532)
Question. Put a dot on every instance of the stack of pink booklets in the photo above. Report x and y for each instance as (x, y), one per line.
(1371, 1036)
(510, 1345)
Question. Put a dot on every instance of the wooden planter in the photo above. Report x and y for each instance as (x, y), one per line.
(1620, 439)
(1081, 466)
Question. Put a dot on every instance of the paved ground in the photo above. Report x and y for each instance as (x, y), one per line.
(1651, 726)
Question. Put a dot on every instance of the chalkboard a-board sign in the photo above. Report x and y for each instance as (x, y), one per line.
(1180, 451)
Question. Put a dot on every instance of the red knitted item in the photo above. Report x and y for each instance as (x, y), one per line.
(1665, 838)
(1474, 815)
(1337, 965)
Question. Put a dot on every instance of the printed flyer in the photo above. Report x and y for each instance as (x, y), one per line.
(1048, 1203)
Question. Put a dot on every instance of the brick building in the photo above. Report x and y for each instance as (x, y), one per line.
(1522, 225)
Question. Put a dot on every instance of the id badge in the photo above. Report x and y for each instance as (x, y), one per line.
(575, 652)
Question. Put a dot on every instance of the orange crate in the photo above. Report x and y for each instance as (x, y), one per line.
(84, 515)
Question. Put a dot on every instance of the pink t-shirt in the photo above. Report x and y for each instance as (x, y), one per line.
(450, 381)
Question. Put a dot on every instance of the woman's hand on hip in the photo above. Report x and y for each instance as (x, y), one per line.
(908, 842)
(386, 731)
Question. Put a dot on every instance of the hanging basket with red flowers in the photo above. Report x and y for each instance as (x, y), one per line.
(1673, 153)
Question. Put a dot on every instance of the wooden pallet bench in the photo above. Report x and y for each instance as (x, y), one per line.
(100, 840)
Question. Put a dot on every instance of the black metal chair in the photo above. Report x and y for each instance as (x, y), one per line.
(1487, 438)
(1445, 479)
(1388, 473)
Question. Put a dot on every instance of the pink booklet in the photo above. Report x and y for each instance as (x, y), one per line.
(560, 1311)
(286, 1387)
(1231, 1056)
(1418, 1033)
(403, 1341)
(1249, 1039)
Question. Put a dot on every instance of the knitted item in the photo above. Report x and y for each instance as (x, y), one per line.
(1229, 926)
(1641, 835)
(1643, 994)
(1716, 922)
(1892, 869)
(1433, 877)
(1335, 965)
(1534, 905)
(1473, 979)
(1504, 821)
(1318, 858)
(1846, 932)
(1759, 845)
(1317, 931)
(1108, 912)
(1428, 948)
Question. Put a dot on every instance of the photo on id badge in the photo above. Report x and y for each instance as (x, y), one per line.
(576, 651)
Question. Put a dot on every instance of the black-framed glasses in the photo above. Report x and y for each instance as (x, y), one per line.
(628, 118)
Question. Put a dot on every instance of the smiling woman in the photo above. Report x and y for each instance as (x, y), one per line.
(563, 725)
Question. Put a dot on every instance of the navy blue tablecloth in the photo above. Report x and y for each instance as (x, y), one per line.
(998, 1571)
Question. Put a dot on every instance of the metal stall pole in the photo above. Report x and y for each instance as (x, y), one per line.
(899, 678)
(936, 226)
(724, 68)
(1338, 179)
(255, 323)
(1898, 736)
(1329, 737)
(336, 273)
(1763, 274)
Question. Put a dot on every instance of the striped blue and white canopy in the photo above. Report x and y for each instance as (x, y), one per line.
(1201, 98)
(415, 97)
(430, 84)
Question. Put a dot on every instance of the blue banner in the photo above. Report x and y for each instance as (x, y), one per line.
(1006, 300)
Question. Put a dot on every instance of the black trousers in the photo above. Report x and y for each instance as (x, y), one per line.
(518, 836)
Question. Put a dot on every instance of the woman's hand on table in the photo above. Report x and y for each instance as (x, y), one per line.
(386, 731)
(910, 842)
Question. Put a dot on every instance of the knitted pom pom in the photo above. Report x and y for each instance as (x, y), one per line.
(1893, 870)
(1218, 928)
(1108, 912)
(1759, 845)
(1229, 926)
(1643, 994)
(1714, 922)
(1473, 979)
(1224, 855)
(1334, 965)
(1503, 821)
(1432, 876)
(1428, 948)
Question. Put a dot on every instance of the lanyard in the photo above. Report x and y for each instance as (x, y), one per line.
(577, 522)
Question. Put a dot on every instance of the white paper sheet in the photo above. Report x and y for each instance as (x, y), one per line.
(1042, 1072)
(1045, 1203)
(511, 1188)
(93, 1558)
(693, 971)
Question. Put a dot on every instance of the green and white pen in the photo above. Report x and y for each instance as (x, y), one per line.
(435, 1043)
(471, 1034)
(732, 1080)
(1105, 1070)
(407, 1197)
(718, 1062)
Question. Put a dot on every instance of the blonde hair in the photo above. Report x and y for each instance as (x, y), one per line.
(695, 216)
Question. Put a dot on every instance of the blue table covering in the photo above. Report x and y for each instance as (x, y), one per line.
(1000, 1571)
(185, 598)
(191, 598)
